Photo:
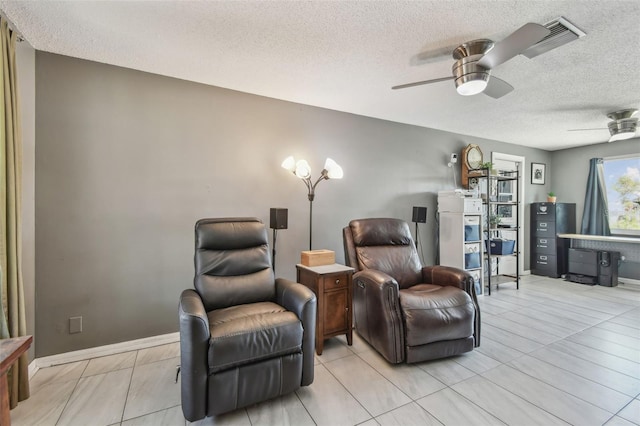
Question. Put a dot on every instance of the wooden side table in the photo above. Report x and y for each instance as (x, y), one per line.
(332, 285)
(10, 351)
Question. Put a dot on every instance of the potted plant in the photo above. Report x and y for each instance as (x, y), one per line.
(489, 167)
(494, 221)
(551, 197)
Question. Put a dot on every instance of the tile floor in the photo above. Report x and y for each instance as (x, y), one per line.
(551, 353)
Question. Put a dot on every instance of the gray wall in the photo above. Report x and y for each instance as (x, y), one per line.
(127, 161)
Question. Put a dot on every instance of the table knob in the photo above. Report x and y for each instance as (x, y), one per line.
(337, 281)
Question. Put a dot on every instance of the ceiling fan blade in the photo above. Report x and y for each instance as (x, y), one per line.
(516, 43)
(420, 83)
(432, 56)
(497, 88)
(582, 130)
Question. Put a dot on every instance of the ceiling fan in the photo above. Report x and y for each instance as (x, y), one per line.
(475, 59)
(622, 126)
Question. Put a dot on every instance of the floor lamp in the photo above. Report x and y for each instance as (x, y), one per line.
(302, 170)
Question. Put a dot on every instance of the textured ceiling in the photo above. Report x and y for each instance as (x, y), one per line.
(346, 55)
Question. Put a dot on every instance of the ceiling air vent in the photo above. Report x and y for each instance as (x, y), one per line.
(562, 32)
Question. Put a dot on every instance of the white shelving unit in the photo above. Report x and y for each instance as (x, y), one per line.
(461, 236)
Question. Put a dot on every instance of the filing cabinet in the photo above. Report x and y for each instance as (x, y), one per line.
(549, 254)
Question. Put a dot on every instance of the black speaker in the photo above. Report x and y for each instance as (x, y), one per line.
(608, 268)
(278, 218)
(419, 215)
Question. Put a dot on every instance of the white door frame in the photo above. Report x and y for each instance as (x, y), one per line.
(496, 158)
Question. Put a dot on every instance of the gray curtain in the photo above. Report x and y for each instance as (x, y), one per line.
(595, 218)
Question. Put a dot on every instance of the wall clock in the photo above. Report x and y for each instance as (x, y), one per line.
(471, 160)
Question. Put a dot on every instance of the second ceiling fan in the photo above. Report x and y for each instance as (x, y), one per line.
(475, 60)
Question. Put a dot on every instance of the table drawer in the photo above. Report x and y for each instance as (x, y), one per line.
(332, 282)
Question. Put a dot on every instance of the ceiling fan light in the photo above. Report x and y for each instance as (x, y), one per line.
(472, 84)
(623, 135)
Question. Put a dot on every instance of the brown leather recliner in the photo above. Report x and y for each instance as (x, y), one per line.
(405, 311)
(245, 336)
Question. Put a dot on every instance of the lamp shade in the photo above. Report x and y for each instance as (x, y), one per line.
(334, 171)
(303, 169)
(289, 163)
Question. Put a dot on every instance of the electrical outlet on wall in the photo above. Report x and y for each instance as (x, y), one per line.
(75, 325)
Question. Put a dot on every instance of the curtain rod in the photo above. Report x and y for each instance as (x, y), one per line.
(12, 27)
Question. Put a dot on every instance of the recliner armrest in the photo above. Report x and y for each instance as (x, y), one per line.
(383, 289)
(378, 314)
(294, 297)
(379, 279)
(300, 300)
(446, 275)
(194, 345)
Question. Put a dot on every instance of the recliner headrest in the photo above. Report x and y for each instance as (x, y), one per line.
(380, 232)
(230, 233)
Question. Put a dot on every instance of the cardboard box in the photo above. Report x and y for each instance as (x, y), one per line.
(317, 257)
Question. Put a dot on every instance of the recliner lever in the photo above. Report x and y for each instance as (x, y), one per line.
(360, 284)
(177, 372)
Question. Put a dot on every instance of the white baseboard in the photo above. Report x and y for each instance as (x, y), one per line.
(629, 281)
(98, 351)
(33, 368)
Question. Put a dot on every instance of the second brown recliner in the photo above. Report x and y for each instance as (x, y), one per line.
(407, 312)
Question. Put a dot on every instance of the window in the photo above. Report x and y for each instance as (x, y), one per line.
(622, 181)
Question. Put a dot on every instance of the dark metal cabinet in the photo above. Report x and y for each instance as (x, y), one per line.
(548, 252)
